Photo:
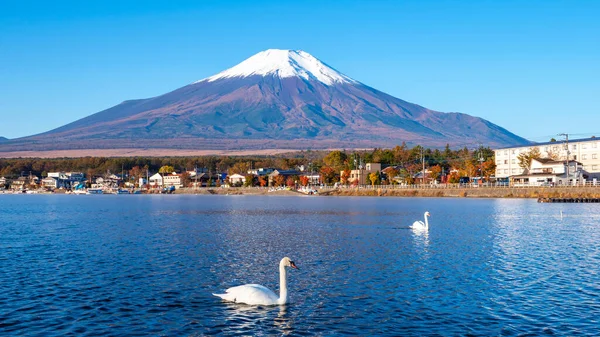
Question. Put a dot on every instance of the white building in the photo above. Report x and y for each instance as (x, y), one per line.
(156, 180)
(585, 151)
(173, 179)
(237, 179)
(548, 172)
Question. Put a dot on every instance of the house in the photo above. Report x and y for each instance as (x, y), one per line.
(585, 151)
(50, 183)
(3, 182)
(284, 173)
(260, 172)
(173, 179)
(156, 180)
(550, 172)
(18, 184)
(313, 178)
(237, 179)
(361, 176)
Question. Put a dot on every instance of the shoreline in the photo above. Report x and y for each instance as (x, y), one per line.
(574, 192)
(469, 192)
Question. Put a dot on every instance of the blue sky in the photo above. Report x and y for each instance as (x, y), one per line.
(529, 66)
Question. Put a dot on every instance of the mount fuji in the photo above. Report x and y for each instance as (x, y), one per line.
(276, 99)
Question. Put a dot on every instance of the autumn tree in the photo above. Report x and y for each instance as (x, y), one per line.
(279, 180)
(239, 168)
(136, 172)
(345, 176)
(185, 179)
(552, 154)
(304, 180)
(262, 181)
(392, 173)
(525, 158)
(166, 169)
(488, 168)
(329, 174)
(290, 182)
(435, 172)
(453, 177)
(375, 178)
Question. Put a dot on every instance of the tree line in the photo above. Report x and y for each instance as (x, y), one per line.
(333, 166)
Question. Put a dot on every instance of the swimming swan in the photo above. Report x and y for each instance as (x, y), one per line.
(255, 294)
(420, 225)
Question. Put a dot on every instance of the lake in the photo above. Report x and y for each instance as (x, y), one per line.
(140, 265)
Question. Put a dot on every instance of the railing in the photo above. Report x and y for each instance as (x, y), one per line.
(419, 186)
(461, 186)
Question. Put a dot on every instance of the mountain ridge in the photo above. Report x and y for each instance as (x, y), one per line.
(282, 99)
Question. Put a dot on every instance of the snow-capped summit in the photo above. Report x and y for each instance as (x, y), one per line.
(284, 63)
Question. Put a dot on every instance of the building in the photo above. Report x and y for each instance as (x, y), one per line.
(173, 179)
(584, 151)
(156, 180)
(361, 176)
(285, 174)
(259, 172)
(549, 172)
(3, 182)
(50, 183)
(237, 179)
(18, 184)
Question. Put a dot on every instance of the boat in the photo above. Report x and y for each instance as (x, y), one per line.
(123, 192)
(94, 191)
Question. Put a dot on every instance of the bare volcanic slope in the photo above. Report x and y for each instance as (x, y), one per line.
(276, 99)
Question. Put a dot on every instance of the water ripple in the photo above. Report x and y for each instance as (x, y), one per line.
(147, 265)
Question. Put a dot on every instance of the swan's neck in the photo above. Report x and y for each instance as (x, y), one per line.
(283, 295)
(426, 222)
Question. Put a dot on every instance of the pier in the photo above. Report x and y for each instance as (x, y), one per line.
(569, 200)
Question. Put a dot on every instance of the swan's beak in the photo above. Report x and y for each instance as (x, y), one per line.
(293, 265)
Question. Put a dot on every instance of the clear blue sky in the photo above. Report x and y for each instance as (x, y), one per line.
(532, 67)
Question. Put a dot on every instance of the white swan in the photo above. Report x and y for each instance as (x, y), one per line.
(255, 294)
(420, 225)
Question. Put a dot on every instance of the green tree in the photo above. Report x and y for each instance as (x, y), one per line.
(336, 160)
(249, 180)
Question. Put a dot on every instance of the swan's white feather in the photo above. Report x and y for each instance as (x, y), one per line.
(253, 294)
(418, 225)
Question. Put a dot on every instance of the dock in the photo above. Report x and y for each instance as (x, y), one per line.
(569, 200)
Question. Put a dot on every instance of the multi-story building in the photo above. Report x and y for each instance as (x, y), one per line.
(173, 179)
(585, 151)
(361, 176)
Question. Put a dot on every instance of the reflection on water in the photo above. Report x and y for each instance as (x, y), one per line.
(148, 265)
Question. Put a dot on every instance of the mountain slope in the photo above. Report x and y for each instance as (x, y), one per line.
(275, 99)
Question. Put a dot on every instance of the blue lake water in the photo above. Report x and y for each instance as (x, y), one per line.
(137, 265)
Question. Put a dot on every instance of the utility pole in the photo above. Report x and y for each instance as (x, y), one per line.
(481, 162)
(567, 159)
(423, 160)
